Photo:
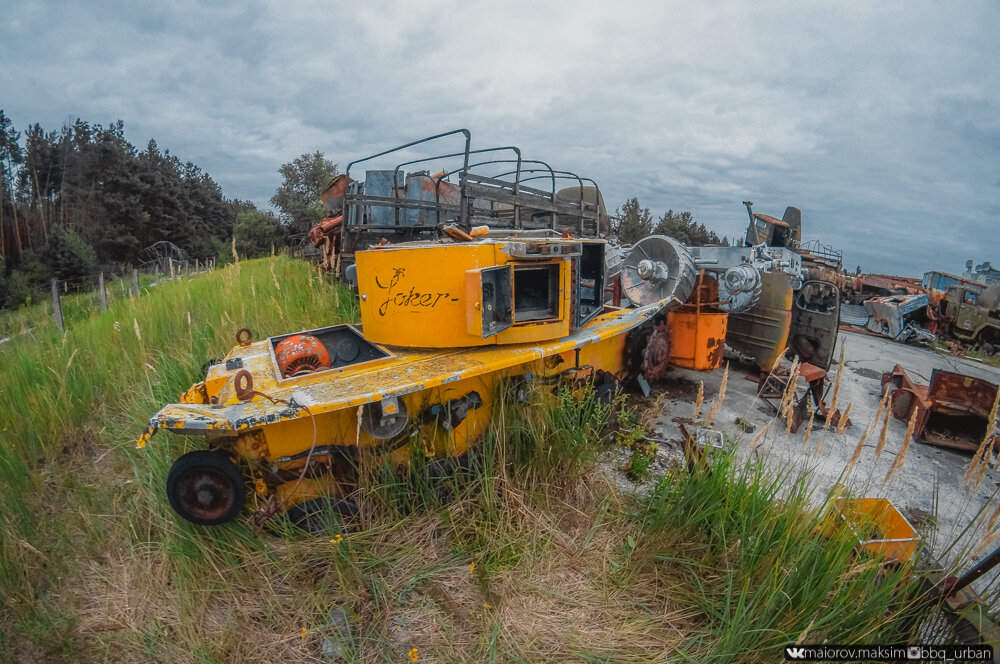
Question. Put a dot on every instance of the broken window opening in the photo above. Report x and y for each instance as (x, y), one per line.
(536, 293)
(590, 291)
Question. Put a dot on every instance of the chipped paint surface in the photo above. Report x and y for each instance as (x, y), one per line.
(952, 411)
(410, 371)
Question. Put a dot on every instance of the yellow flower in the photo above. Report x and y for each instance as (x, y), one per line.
(413, 655)
(337, 539)
(303, 632)
(472, 568)
(486, 606)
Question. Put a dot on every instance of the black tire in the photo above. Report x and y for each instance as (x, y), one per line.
(319, 514)
(447, 476)
(206, 488)
(605, 394)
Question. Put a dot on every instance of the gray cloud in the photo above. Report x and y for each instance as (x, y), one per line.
(879, 121)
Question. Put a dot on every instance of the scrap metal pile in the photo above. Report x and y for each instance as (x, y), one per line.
(954, 410)
(961, 309)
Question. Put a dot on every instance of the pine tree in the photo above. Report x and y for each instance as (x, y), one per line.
(634, 222)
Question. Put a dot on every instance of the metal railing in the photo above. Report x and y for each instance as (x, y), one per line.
(420, 204)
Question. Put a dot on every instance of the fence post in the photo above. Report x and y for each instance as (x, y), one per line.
(101, 292)
(57, 306)
(135, 281)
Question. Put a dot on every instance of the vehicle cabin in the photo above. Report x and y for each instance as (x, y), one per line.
(971, 311)
(491, 291)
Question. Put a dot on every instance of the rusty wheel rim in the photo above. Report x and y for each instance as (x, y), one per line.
(205, 493)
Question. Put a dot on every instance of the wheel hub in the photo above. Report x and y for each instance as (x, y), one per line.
(206, 494)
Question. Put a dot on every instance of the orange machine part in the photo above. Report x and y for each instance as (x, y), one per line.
(301, 354)
(329, 227)
(698, 328)
(880, 528)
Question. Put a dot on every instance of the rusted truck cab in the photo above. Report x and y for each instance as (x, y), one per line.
(972, 313)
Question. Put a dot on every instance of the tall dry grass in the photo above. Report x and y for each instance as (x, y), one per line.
(75, 493)
(531, 554)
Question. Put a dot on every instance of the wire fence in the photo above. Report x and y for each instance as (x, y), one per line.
(160, 271)
(76, 299)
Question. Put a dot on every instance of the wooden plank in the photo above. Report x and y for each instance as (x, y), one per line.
(57, 306)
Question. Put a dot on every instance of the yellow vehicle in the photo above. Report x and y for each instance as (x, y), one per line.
(444, 321)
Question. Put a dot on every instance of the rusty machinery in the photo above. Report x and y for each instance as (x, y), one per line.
(494, 186)
(444, 322)
(953, 410)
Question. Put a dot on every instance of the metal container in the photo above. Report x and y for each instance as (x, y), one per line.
(762, 332)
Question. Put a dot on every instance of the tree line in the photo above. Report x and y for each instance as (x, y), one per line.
(633, 222)
(82, 198)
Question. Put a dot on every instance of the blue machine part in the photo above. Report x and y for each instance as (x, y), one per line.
(379, 183)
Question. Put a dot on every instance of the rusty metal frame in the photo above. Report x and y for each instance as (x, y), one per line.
(463, 213)
(465, 167)
(470, 185)
(949, 394)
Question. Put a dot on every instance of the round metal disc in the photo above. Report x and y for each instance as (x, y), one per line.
(658, 267)
(380, 426)
(205, 493)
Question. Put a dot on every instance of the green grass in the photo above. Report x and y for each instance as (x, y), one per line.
(942, 345)
(533, 555)
(74, 403)
(36, 315)
(746, 544)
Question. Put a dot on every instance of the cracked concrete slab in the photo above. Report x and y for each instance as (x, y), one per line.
(930, 479)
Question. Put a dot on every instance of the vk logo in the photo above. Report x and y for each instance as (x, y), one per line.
(795, 653)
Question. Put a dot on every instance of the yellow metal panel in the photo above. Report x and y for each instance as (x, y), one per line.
(429, 295)
(415, 295)
(474, 302)
(415, 376)
(341, 427)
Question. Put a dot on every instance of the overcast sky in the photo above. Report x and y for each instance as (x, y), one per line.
(880, 120)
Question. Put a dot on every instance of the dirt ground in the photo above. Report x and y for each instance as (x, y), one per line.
(930, 479)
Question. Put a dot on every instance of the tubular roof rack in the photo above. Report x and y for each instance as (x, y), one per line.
(397, 205)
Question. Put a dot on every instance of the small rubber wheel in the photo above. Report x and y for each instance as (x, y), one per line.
(206, 488)
(605, 394)
(319, 514)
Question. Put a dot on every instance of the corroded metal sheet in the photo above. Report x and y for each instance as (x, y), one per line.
(408, 371)
(889, 315)
(762, 332)
(953, 411)
(854, 314)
